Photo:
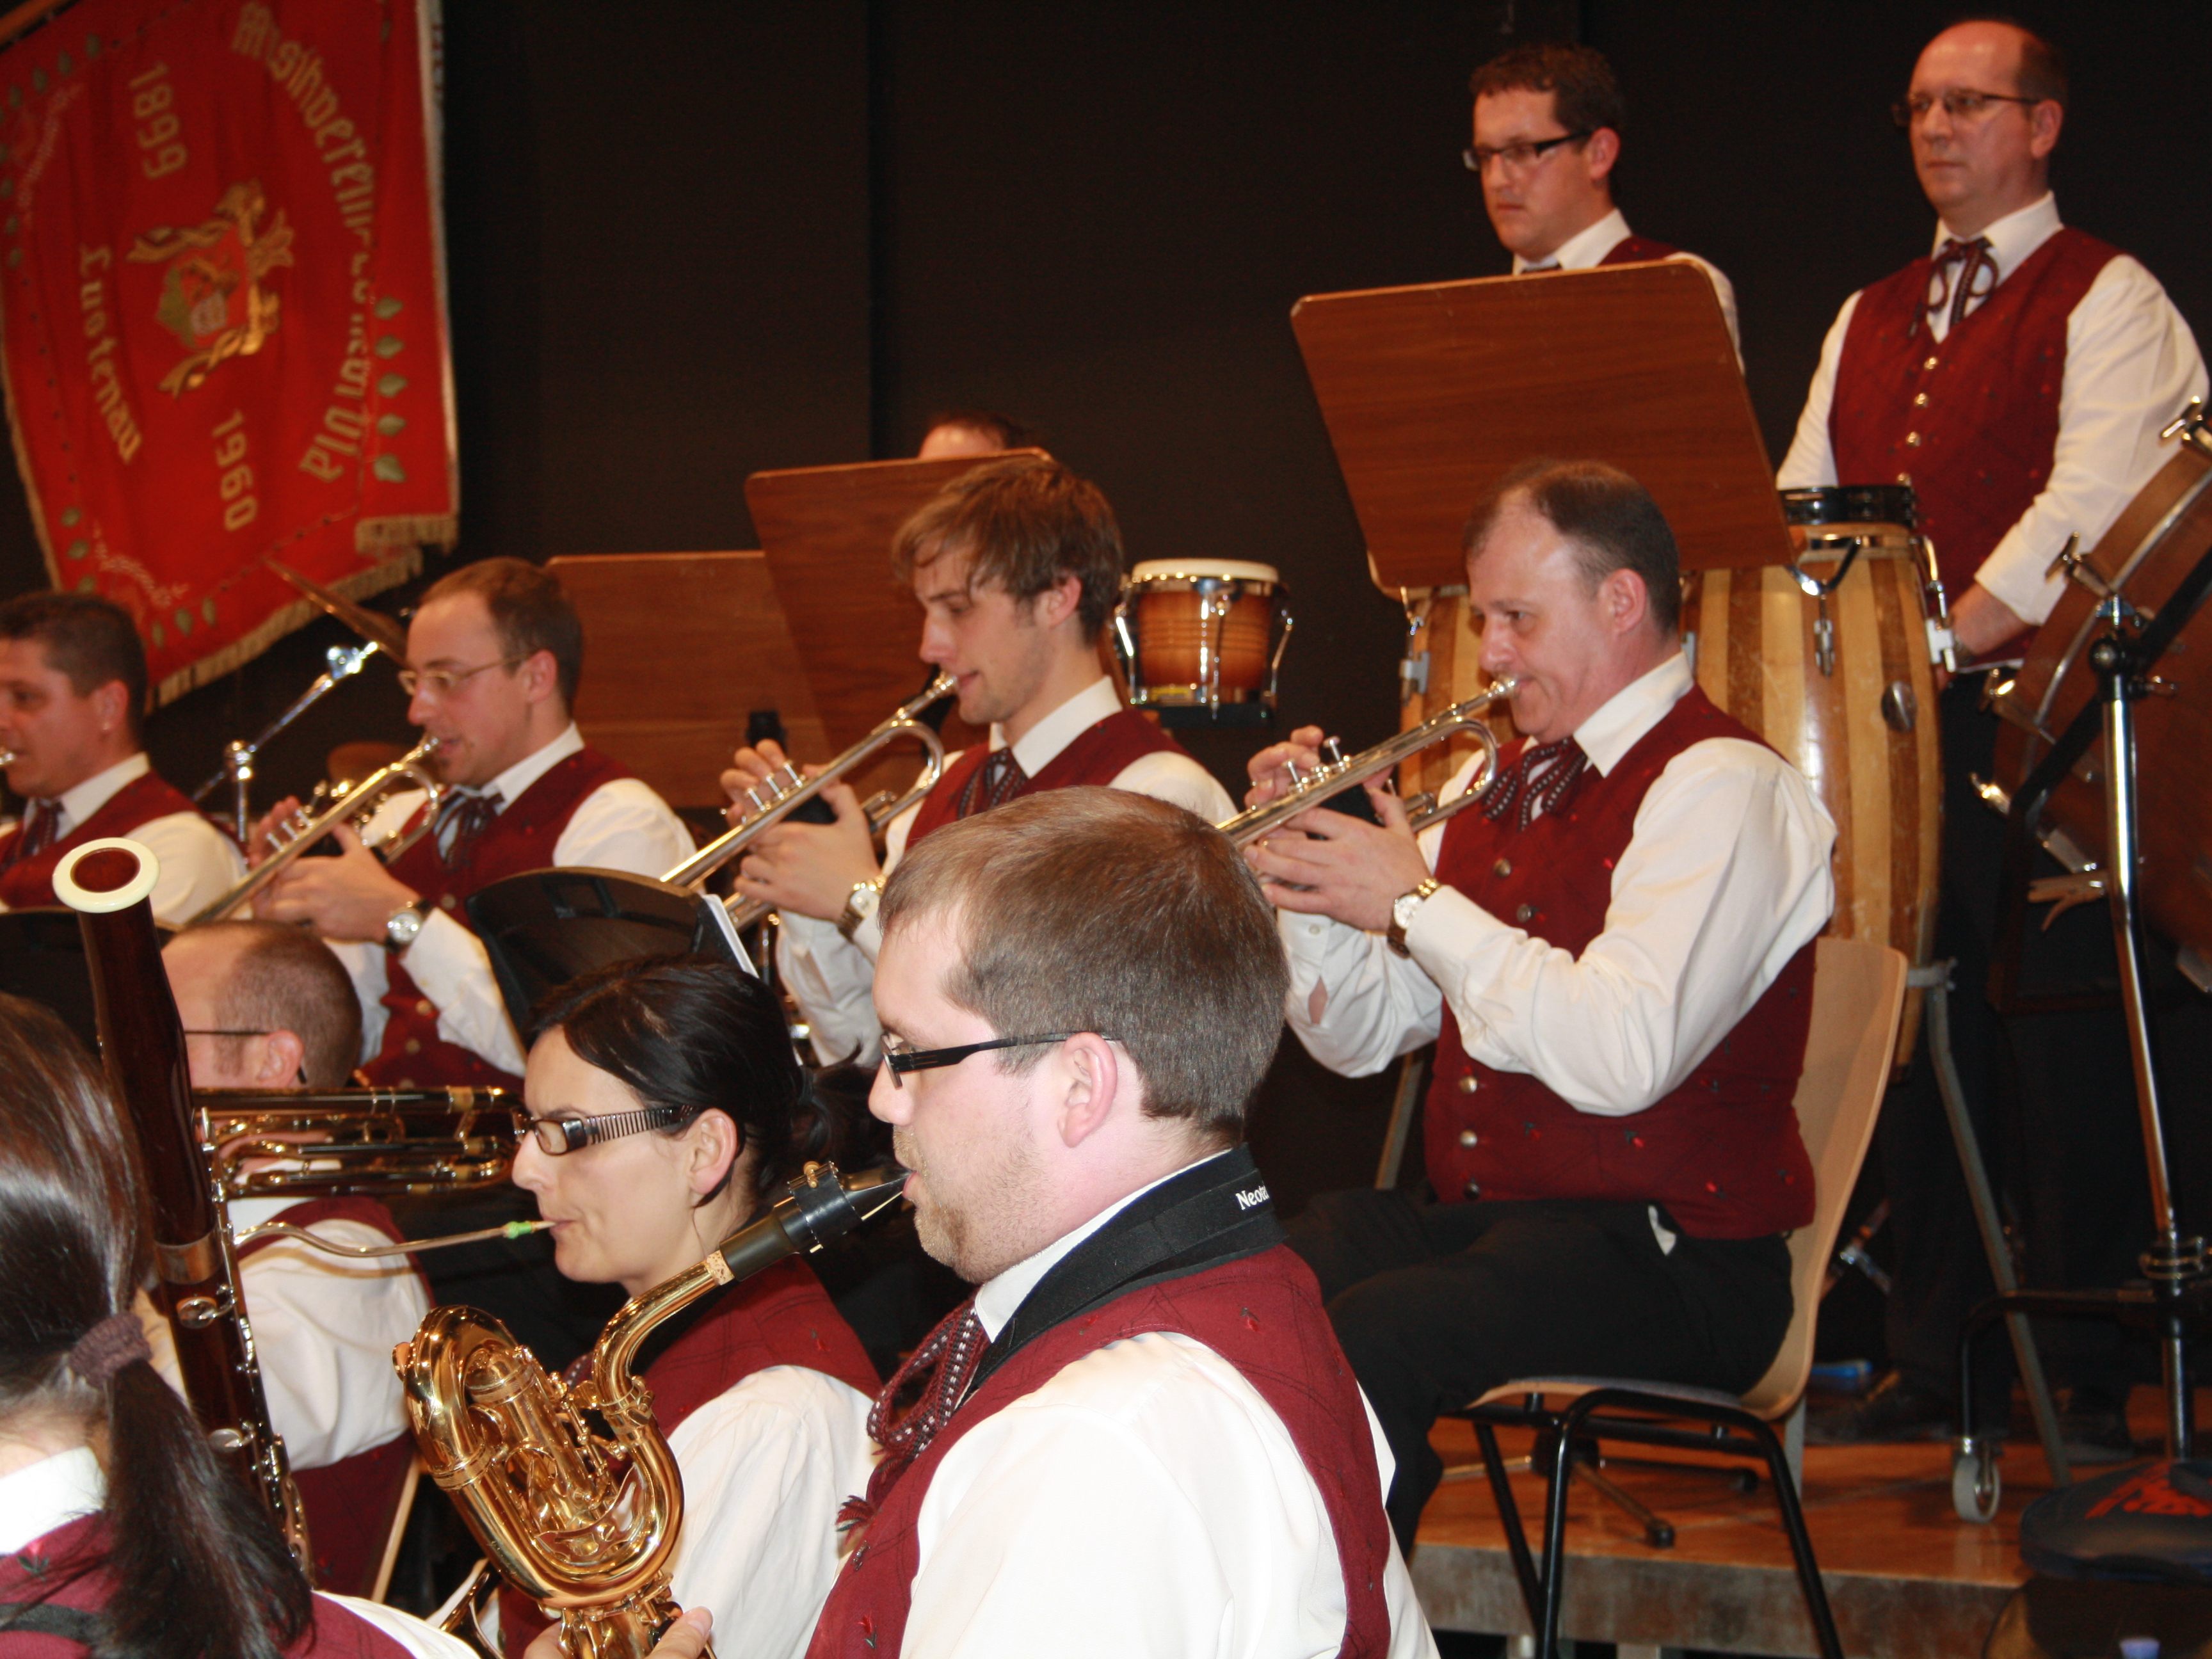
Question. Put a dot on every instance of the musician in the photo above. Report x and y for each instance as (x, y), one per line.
(1017, 565)
(970, 432)
(119, 1531)
(495, 653)
(269, 1006)
(72, 706)
(689, 1115)
(2017, 379)
(1139, 1436)
(1615, 956)
(1547, 123)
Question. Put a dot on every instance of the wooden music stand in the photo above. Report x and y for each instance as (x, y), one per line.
(1430, 393)
(679, 648)
(827, 533)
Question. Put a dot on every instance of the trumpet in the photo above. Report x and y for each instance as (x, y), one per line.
(351, 803)
(269, 1143)
(581, 1521)
(783, 791)
(1338, 772)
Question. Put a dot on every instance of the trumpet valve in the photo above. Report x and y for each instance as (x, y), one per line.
(1335, 750)
(1290, 771)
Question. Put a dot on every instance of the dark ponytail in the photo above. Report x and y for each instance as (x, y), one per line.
(197, 1567)
(698, 1034)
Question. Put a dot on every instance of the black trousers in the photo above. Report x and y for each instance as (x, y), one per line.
(1436, 1303)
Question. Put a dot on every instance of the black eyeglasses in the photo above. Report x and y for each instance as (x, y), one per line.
(1517, 158)
(557, 1135)
(1959, 104)
(902, 1059)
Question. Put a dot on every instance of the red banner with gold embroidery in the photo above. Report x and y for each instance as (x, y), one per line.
(222, 316)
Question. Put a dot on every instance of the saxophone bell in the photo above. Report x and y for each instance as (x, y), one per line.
(582, 1522)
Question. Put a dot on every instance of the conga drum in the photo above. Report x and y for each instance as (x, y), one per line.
(1203, 634)
(1831, 659)
(2150, 548)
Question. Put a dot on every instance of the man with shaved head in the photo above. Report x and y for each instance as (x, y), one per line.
(2017, 379)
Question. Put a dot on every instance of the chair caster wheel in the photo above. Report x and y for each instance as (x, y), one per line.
(1976, 1487)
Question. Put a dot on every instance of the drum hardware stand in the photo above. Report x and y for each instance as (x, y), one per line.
(2179, 1295)
(345, 661)
(1413, 667)
(1855, 1255)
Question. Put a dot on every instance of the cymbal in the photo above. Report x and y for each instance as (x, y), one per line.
(381, 631)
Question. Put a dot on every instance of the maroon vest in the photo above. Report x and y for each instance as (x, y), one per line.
(31, 883)
(65, 1571)
(1633, 249)
(1099, 755)
(522, 837)
(351, 1504)
(1263, 1315)
(1971, 423)
(780, 1317)
(1721, 1150)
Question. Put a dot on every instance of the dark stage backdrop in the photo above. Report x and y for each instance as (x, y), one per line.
(690, 239)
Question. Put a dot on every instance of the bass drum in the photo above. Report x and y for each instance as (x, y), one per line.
(1831, 659)
(2153, 544)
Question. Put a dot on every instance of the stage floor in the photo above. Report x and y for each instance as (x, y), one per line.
(1906, 1577)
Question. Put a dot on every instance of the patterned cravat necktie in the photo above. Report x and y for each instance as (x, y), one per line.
(1538, 779)
(937, 1374)
(1957, 280)
(462, 825)
(36, 832)
(994, 783)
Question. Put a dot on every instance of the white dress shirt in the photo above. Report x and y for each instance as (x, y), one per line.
(199, 863)
(1145, 1501)
(1724, 877)
(1587, 247)
(831, 977)
(2131, 365)
(766, 1464)
(324, 1329)
(48, 1495)
(621, 825)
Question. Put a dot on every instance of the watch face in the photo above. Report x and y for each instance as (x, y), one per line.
(1403, 907)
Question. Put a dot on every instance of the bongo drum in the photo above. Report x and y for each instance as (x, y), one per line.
(1203, 634)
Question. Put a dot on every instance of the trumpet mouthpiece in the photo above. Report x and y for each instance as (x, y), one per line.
(9, 757)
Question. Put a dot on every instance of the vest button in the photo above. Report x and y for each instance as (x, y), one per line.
(1502, 867)
(1525, 914)
(1912, 440)
(1472, 1189)
(412, 1046)
(425, 1007)
(1905, 478)
(1469, 1084)
(1930, 363)
(1469, 1137)
(446, 902)
(1920, 401)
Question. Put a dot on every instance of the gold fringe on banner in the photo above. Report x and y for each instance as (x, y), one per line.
(362, 584)
(373, 537)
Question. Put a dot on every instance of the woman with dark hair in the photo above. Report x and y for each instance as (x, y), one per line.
(667, 1108)
(120, 1533)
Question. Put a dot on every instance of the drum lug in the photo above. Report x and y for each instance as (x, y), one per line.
(2189, 426)
(1900, 709)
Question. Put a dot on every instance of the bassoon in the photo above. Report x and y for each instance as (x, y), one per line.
(109, 883)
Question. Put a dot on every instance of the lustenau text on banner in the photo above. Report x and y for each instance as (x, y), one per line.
(222, 315)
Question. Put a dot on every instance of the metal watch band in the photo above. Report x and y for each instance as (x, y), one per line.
(857, 910)
(1396, 935)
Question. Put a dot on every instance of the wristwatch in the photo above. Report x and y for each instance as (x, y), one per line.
(860, 904)
(1402, 909)
(401, 926)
